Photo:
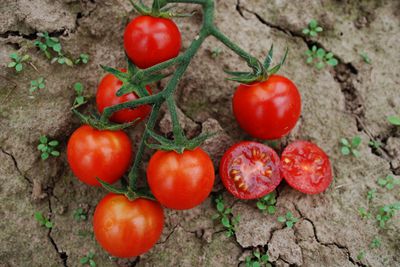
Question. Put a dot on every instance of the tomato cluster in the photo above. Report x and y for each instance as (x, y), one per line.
(127, 226)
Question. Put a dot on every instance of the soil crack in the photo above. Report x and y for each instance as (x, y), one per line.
(16, 166)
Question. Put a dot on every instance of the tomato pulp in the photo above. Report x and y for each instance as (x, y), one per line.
(250, 170)
(106, 96)
(93, 153)
(269, 109)
(127, 228)
(181, 181)
(149, 40)
(306, 167)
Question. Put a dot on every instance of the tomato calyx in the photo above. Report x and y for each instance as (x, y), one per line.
(158, 9)
(261, 71)
(130, 193)
(133, 80)
(179, 146)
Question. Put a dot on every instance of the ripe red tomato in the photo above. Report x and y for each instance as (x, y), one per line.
(106, 96)
(93, 153)
(269, 109)
(306, 167)
(181, 181)
(250, 170)
(127, 228)
(149, 41)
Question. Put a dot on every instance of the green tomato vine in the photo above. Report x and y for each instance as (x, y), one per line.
(135, 79)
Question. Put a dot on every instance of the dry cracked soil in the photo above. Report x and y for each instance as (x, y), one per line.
(354, 98)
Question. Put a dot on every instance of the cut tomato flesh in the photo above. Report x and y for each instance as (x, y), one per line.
(250, 170)
(306, 167)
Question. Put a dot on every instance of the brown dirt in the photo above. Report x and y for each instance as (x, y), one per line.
(353, 99)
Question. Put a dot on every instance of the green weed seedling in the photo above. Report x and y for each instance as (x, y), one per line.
(385, 213)
(394, 120)
(82, 59)
(18, 61)
(216, 52)
(375, 144)
(320, 57)
(37, 84)
(348, 148)
(80, 215)
(79, 99)
(43, 221)
(225, 216)
(267, 203)
(289, 219)
(366, 58)
(371, 194)
(364, 213)
(52, 49)
(389, 182)
(88, 260)
(375, 243)
(257, 260)
(313, 28)
(47, 147)
(361, 255)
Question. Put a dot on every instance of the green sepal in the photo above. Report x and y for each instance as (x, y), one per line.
(117, 73)
(94, 121)
(268, 59)
(277, 67)
(112, 188)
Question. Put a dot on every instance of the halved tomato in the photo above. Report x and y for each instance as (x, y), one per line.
(250, 170)
(306, 167)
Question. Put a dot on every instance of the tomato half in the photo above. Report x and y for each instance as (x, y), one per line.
(306, 167)
(250, 170)
(106, 96)
(269, 109)
(181, 181)
(93, 153)
(149, 41)
(127, 228)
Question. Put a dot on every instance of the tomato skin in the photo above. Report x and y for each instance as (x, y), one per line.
(127, 228)
(93, 153)
(181, 181)
(106, 96)
(267, 110)
(256, 165)
(306, 167)
(149, 41)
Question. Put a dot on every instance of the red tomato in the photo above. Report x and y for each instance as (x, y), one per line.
(106, 96)
(250, 170)
(269, 109)
(93, 153)
(126, 228)
(181, 181)
(149, 41)
(306, 167)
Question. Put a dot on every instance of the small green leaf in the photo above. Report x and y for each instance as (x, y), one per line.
(69, 62)
(225, 222)
(57, 47)
(265, 258)
(271, 209)
(344, 141)
(320, 65)
(45, 156)
(313, 24)
(281, 219)
(55, 153)
(78, 88)
(43, 139)
(92, 263)
(39, 217)
(261, 206)
(256, 264)
(61, 60)
(332, 62)
(309, 60)
(306, 31)
(318, 29)
(345, 150)
(11, 64)
(320, 52)
(53, 143)
(356, 141)
(18, 67)
(395, 120)
(25, 58)
(313, 33)
(84, 260)
(356, 153)
(14, 56)
(289, 224)
(220, 206)
(49, 224)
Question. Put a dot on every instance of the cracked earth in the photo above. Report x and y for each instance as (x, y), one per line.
(352, 99)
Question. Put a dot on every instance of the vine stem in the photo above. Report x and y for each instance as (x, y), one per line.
(167, 95)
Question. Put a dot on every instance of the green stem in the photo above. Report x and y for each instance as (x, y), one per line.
(177, 130)
(133, 173)
(253, 62)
